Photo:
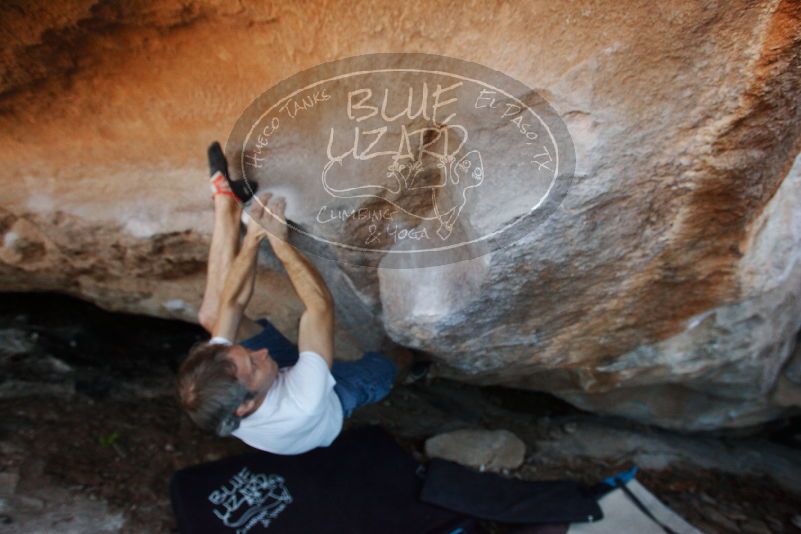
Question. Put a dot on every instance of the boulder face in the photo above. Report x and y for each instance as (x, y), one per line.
(666, 287)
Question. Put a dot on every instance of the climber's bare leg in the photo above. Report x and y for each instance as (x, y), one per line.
(223, 250)
(224, 246)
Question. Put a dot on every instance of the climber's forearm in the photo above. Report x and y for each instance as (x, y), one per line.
(238, 288)
(305, 278)
(240, 281)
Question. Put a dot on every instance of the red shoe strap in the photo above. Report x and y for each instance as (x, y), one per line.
(219, 186)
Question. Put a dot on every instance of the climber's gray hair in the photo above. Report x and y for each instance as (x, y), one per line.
(209, 390)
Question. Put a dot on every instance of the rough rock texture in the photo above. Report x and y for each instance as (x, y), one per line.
(490, 450)
(665, 289)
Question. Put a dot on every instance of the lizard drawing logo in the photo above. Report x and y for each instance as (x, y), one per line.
(444, 180)
(249, 499)
(405, 160)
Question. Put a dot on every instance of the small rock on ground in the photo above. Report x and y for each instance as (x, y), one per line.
(490, 450)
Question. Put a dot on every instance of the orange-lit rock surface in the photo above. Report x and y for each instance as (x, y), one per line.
(667, 288)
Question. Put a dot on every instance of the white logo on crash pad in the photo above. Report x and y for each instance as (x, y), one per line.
(250, 498)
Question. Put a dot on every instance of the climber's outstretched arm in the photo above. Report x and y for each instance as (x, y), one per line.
(316, 330)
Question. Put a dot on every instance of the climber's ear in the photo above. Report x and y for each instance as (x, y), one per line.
(246, 408)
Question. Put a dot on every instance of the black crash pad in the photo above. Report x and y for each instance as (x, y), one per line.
(496, 498)
(364, 482)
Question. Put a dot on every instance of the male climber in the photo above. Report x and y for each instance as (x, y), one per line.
(249, 380)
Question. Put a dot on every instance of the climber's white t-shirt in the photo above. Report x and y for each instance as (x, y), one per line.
(300, 412)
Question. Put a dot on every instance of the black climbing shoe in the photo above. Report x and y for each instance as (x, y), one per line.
(243, 189)
(217, 161)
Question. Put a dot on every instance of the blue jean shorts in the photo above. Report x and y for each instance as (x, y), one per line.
(360, 382)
